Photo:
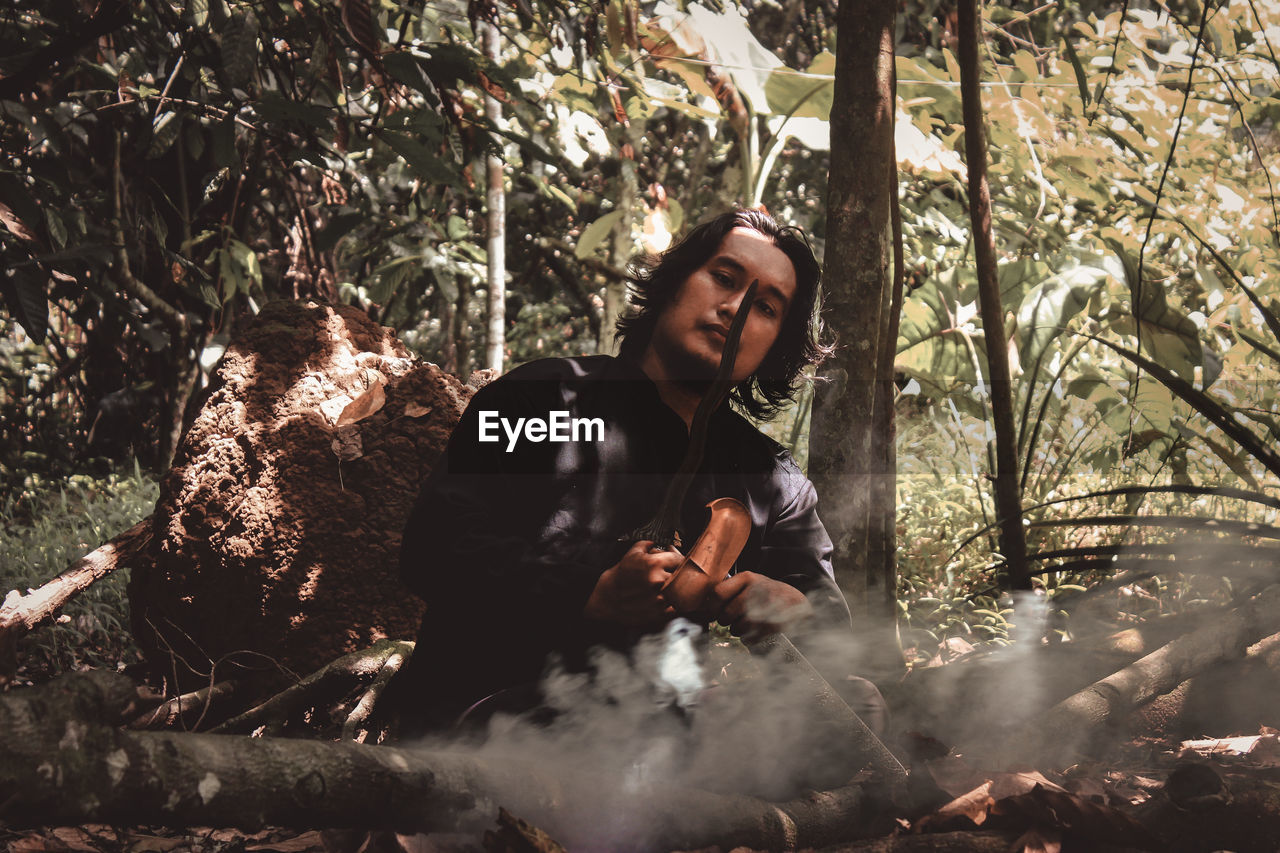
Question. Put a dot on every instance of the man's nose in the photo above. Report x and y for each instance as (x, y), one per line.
(729, 304)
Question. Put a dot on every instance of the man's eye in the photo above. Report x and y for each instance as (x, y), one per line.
(723, 278)
(767, 308)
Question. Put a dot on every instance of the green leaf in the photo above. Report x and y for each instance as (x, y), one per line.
(24, 294)
(229, 271)
(240, 49)
(595, 233)
(1206, 405)
(406, 68)
(798, 95)
(247, 260)
(336, 228)
(675, 215)
(163, 132)
(456, 228)
(197, 12)
(421, 160)
(57, 230)
(1050, 306)
(223, 143)
(1082, 80)
(274, 106)
(551, 191)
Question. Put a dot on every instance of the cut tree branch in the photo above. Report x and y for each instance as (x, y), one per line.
(21, 613)
(332, 679)
(1164, 669)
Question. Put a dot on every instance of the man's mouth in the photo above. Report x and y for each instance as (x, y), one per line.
(722, 331)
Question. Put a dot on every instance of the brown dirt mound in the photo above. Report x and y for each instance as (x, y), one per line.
(278, 528)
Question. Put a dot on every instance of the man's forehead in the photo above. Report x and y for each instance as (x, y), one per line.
(758, 255)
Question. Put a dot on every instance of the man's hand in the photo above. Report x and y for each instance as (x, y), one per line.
(627, 593)
(754, 605)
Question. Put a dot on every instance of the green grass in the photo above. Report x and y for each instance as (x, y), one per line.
(48, 525)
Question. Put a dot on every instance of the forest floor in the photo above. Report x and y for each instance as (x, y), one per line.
(1146, 793)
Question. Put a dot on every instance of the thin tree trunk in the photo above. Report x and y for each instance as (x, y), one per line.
(882, 562)
(462, 329)
(615, 290)
(1013, 543)
(496, 203)
(843, 440)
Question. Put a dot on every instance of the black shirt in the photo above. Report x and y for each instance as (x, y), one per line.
(509, 536)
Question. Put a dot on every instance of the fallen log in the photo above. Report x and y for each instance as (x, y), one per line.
(1066, 729)
(61, 764)
(21, 613)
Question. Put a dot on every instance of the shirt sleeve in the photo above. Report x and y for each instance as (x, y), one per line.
(797, 550)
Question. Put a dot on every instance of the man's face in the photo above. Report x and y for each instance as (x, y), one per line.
(691, 332)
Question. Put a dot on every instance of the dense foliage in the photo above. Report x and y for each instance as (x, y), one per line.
(168, 167)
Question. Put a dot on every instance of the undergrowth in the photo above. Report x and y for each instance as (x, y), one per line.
(48, 525)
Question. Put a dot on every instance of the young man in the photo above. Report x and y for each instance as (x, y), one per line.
(518, 541)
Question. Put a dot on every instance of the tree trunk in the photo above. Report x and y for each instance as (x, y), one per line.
(60, 764)
(496, 204)
(882, 556)
(622, 247)
(843, 441)
(462, 329)
(1013, 543)
(21, 613)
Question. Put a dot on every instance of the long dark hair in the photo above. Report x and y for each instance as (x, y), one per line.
(655, 281)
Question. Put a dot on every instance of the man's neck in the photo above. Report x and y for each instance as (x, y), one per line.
(681, 397)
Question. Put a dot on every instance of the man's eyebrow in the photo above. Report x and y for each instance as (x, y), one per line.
(765, 289)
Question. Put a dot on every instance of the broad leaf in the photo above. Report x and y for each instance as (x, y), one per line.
(1049, 307)
(595, 233)
(24, 296)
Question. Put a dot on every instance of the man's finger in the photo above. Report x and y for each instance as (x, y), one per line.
(731, 587)
(658, 576)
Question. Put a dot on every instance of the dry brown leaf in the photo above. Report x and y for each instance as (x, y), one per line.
(75, 838)
(299, 844)
(1061, 810)
(415, 410)
(955, 776)
(1039, 840)
(975, 805)
(346, 443)
(371, 400)
(1020, 782)
(155, 844)
(16, 225)
(1091, 788)
(1266, 752)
